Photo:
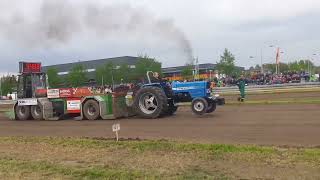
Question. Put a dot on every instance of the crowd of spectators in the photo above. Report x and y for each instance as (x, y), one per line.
(268, 79)
(101, 89)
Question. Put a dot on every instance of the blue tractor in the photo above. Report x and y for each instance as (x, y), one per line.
(158, 98)
(199, 94)
(152, 99)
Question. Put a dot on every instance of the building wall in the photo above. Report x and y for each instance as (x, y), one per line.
(206, 71)
(91, 66)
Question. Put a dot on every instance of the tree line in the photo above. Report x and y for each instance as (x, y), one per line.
(107, 74)
(8, 84)
(296, 66)
(226, 65)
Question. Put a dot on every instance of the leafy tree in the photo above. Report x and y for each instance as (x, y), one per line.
(301, 65)
(270, 67)
(294, 66)
(283, 67)
(8, 84)
(77, 76)
(105, 74)
(186, 72)
(317, 69)
(53, 78)
(145, 64)
(226, 63)
(123, 74)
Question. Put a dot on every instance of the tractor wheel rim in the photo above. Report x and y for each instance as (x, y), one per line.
(37, 111)
(148, 103)
(198, 106)
(91, 110)
(22, 110)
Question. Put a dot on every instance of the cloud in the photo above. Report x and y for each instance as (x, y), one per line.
(243, 26)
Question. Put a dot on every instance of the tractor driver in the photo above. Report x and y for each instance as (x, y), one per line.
(156, 78)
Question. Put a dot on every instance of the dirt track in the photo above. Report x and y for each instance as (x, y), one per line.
(293, 125)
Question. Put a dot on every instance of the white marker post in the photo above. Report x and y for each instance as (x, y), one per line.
(116, 128)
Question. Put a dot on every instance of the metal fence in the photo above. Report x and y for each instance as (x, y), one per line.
(6, 102)
(266, 88)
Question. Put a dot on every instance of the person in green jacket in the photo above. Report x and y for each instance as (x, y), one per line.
(241, 84)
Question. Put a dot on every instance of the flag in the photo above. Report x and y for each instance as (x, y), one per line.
(277, 56)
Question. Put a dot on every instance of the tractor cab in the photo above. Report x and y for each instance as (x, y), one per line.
(31, 81)
(31, 87)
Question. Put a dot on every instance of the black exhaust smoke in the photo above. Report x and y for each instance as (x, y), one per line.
(57, 22)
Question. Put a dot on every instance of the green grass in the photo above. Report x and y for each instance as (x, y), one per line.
(43, 168)
(39, 157)
(141, 146)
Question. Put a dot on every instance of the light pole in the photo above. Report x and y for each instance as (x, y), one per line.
(262, 70)
(252, 57)
(261, 57)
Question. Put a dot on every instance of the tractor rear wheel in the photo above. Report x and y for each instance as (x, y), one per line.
(199, 106)
(36, 112)
(22, 112)
(150, 102)
(91, 109)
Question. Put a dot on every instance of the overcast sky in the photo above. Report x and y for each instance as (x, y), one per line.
(171, 31)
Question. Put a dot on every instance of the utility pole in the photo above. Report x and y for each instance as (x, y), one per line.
(261, 64)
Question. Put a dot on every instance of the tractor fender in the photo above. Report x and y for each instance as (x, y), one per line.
(46, 108)
(104, 105)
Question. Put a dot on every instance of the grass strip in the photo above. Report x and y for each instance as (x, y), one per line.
(165, 145)
(43, 169)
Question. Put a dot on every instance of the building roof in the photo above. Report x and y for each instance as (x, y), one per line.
(178, 69)
(93, 64)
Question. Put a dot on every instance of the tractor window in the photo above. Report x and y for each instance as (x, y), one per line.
(39, 81)
(24, 89)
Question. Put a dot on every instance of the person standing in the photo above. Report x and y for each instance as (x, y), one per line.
(241, 84)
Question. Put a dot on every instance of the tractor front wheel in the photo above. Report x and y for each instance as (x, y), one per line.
(22, 112)
(91, 110)
(199, 106)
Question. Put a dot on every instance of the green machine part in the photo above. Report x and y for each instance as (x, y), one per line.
(111, 107)
(57, 103)
(120, 108)
(105, 103)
